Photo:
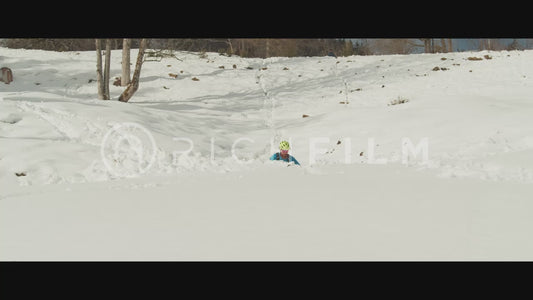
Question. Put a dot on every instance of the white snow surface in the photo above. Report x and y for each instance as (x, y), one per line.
(182, 171)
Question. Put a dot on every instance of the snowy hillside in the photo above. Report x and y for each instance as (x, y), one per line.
(403, 157)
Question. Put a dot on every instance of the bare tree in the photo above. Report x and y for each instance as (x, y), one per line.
(431, 47)
(231, 52)
(485, 44)
(134, 84)
(125, 78)
(107, 67)
(393, 46)
(426, 45)
(443, 46)
(99, 77)
(267, 47)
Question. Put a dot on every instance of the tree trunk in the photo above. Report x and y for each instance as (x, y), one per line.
(426, 45)
(230, 47)
(483, 44)
(107, 68)
(125, 78)
(443, 46)
(267, 48)
(134, 84)
(99, 78)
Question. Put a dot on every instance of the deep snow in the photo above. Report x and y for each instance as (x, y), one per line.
(181, 172)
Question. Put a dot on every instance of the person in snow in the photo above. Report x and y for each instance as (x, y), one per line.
(283, 153)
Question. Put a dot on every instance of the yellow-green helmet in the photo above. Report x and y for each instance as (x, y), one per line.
(284, 145)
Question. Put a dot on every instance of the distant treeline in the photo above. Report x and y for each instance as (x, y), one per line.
(244, 47)
(266, 47)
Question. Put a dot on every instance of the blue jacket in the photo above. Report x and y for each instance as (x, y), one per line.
(277, 156)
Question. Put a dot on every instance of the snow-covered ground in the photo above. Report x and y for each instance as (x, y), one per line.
(181, 172)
